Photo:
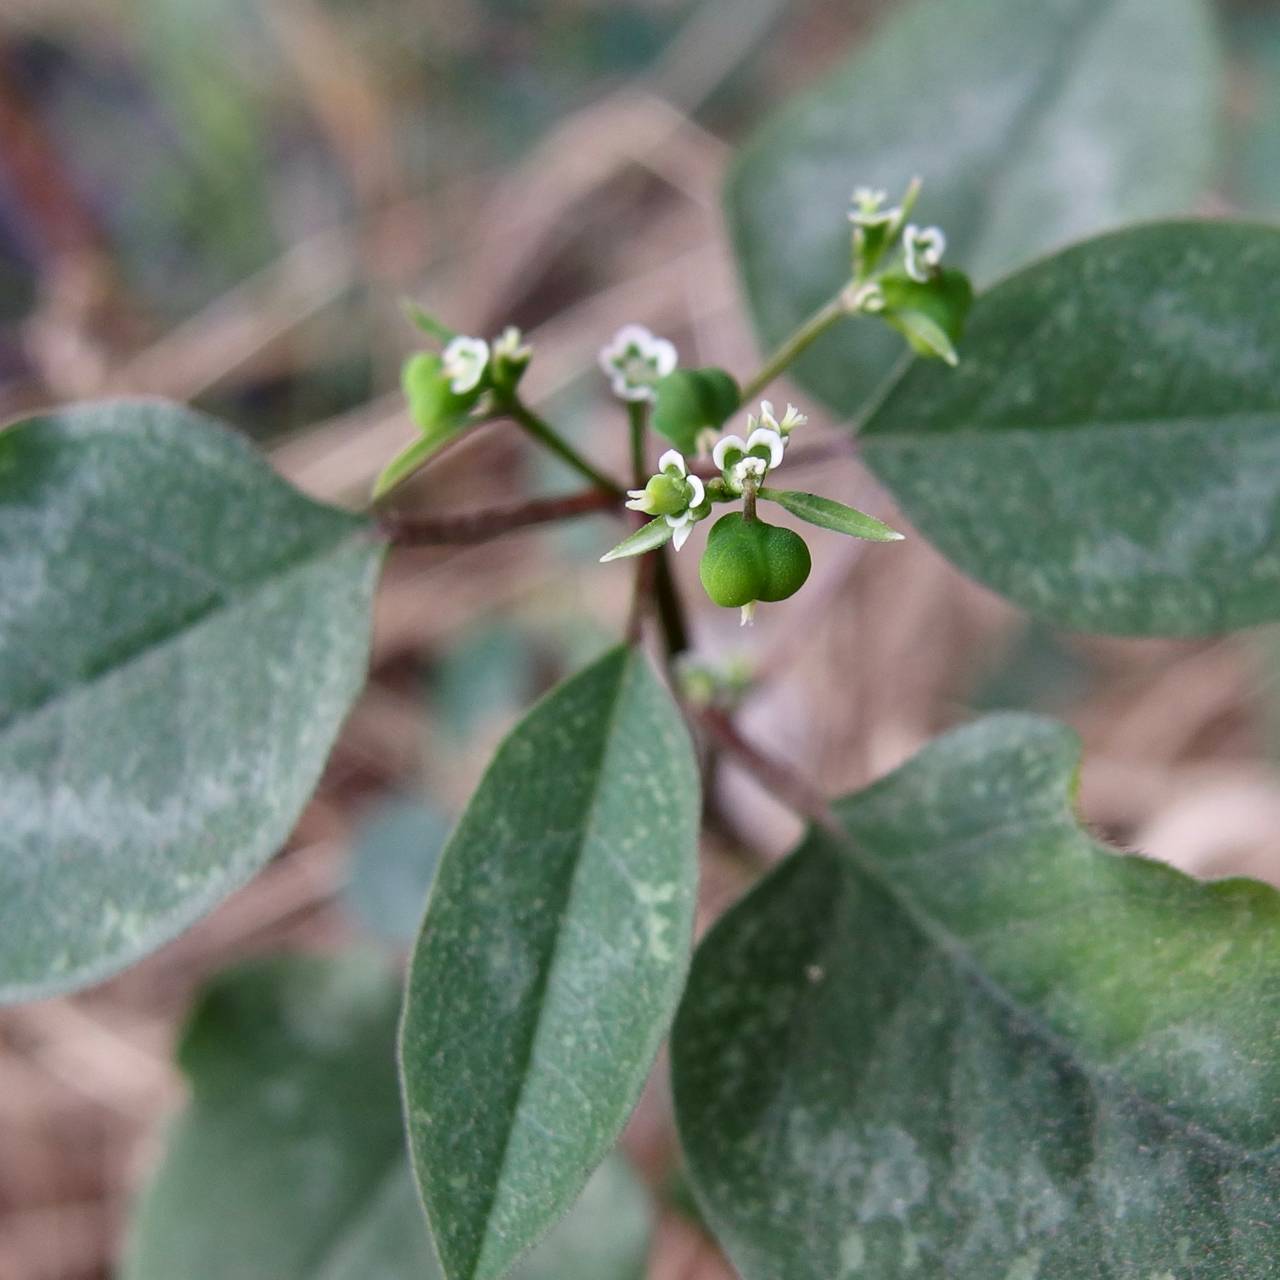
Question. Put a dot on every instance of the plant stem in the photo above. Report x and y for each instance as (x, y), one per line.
(638, 412)
(748, 501)
(808, 333)
(545, 434)
(480, 526)
(675, 630)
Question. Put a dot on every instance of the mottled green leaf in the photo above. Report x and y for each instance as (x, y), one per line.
(1108, 452)
(550, 960)
(829, 514)
(1030, 124)
(181, 636)
(290, 1163)
(290, 1160)
(965, 1040)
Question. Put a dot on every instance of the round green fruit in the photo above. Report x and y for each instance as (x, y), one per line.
(748, 560)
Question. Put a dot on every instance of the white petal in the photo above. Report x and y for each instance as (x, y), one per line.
(699, 494)
(766, 410)
(723, 445)
(673, 458)
(663, 354)
(680, 520)
(681, 535)
(766, 436)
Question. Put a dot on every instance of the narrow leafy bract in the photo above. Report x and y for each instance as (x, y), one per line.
(649, 537)
(1031, 124)
(965, 1040)
(181, 636)
(829, 514)
(550, 960)
(1108, 452)
(290, 1162)
(412, 458)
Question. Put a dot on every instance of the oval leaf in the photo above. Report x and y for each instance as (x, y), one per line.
(828, 514)
(1031, 125)
(967, 1041)
(1108, 453)
(181, 636)
(290, 1162)
(550, 960)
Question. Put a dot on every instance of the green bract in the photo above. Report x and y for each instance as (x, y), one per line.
(747, 560)
(690, 401)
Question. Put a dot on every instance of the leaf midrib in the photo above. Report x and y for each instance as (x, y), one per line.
(583, 833)
(959, 954)
(229, 602)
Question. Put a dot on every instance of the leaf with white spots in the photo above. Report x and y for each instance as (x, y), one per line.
(965, 1040)
(290, 1161)
(181, 636)
(1107, 455)
(550, 961)
(1031, 124)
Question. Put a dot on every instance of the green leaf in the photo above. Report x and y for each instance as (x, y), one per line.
(412, 458)
(968, 1041)
(550, 960)
(181, 636)
(690, 401)
(657, 533)
(1107, 454)
(1031, 125)
(828, 514)
(290, 1160)
(930, 314)
(290, 1163)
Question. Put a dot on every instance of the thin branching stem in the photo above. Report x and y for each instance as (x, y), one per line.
(547, 435)
(480, 526)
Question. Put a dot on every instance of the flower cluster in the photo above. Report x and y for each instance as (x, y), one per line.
(673, 494)
(747, 462)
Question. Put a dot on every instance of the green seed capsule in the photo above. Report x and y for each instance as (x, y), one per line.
(748, 560)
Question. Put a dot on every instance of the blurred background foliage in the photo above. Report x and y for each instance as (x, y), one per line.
(225, 201)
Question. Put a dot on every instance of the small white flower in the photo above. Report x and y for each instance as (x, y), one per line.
(867, 209)
(671, 485)
(512, 346)
(635, 360)
(464, 362)
(792, 419)
(748, 468)
(924, 250)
